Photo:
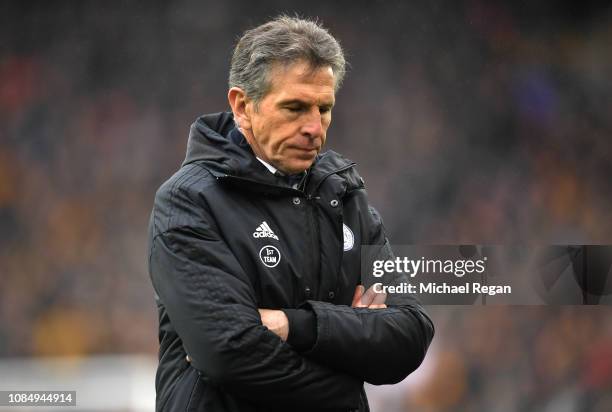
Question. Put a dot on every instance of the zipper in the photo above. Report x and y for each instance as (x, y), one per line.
(314, 232)
(315, 253)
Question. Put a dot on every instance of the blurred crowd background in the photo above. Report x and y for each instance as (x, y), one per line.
(472, 121)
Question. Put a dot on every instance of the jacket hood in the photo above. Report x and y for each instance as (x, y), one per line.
(209, 144)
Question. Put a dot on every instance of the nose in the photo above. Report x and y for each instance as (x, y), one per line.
(313, 126)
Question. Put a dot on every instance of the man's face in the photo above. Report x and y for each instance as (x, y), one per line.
(289, 127)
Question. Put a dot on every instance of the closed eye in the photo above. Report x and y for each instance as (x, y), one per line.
(299, 108)
(294, 109)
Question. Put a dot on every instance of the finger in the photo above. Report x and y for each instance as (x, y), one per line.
(368, 297)
(379, 298)
(357, 297)
(380, 306)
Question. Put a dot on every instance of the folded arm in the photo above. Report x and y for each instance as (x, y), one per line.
(378, 342)
(369, 340)
(211, 303)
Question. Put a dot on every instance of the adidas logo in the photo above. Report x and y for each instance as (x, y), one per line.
(264, 230)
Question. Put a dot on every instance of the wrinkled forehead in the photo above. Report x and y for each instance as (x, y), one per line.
(302, 77)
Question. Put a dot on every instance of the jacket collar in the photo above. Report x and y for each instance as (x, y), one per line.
(211, 145)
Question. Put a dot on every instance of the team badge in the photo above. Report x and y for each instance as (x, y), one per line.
(349, 237)
(270, 256)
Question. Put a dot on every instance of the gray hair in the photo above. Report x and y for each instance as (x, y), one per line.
(283, 40)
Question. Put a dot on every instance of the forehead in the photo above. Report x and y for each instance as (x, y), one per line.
(301, 81)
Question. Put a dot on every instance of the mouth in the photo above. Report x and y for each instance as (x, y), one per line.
(305, 153)
(305, 149)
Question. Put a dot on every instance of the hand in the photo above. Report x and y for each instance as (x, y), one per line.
(368, 298)
(276, 321)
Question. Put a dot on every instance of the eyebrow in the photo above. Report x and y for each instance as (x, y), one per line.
(301, 103)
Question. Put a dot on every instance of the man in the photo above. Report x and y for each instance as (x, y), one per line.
(255, 248)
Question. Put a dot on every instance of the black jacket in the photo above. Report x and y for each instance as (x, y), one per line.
(213, 262)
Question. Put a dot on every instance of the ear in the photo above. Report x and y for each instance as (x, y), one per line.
(238, 101)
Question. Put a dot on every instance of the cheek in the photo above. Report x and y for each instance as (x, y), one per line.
(325, 123)
(270, 136)
(323, 139)
(263, 130)
(281, 132)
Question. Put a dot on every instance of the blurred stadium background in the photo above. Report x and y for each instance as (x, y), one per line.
(472, 121)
